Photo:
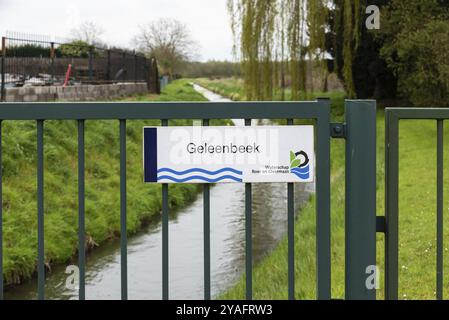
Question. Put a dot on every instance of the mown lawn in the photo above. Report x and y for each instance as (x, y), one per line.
(61, 197)
(417, 205)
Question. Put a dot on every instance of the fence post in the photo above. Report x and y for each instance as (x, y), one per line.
(391, 204)
(108, 71)
(135, 67)
(124, 66)
(361, 271)
(52, 58)
(2, 88)
(91, 56)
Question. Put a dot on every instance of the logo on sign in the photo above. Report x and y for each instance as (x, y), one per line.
(299, 164)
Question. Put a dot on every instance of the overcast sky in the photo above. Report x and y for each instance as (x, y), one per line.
(207, 20)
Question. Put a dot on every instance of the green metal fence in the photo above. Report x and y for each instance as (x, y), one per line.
(359, 130)
(392, 119)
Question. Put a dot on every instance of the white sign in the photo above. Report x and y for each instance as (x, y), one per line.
(229, 154)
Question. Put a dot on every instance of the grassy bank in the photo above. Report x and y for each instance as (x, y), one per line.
(61, 198)
(233, 88)
(417, 205)
(229, 87)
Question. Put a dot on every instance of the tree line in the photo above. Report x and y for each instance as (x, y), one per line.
(405, 58)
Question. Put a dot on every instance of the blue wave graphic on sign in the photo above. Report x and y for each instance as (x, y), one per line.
(214, 180)
(200, 174)
(199, 170)
(302, 173)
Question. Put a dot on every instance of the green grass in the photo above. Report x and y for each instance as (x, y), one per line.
(179, 90)
(233, 89)
(417, 217)
(61, 197)
(229, 87)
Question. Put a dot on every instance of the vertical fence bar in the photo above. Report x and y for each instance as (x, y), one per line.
(40, 210)
(165, 257)
(108, 66)
(81, 213)
(249, 235)
(3, 62)
(123, 226)
(360, 229)
(1, 215)
(91, 67)
(440, 198)
(52, 61)
(391, 204)
(323, 230)
(135, 67)
(206, 234)
(125, 76)
(291, 235)
(291, 241)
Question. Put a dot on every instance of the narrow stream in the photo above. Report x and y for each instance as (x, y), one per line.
(186, 246)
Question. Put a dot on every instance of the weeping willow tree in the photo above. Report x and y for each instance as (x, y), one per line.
(254, 26)
(348, 23)
(274, 39)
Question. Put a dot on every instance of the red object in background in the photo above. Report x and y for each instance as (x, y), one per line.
(67, 75)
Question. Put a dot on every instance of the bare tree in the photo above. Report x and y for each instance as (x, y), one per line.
(88, 32)
(169, 41)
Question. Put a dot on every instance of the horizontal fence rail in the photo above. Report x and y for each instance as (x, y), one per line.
(165, 110)
(319, 111)
(393, 117)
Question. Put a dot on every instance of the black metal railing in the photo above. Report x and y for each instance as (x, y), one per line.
(38, 60)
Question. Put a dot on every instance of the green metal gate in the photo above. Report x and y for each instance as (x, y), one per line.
(391, 225)
(359, 130)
